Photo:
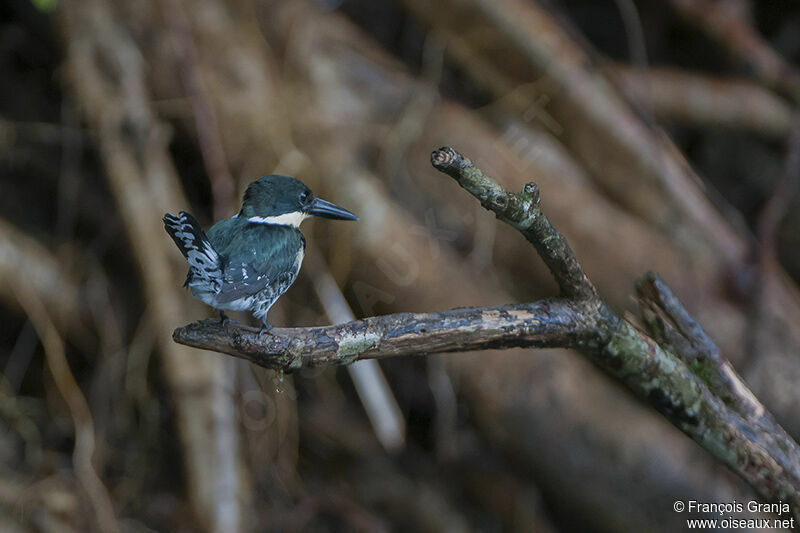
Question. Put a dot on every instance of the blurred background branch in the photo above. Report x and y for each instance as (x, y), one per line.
(115, 112)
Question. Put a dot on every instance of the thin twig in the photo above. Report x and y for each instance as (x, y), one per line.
(107, 75)
(84, 447)
(208, 136)
(376, 396)
(521, 211)
(25, 260)
(702, 100)
(672, 326)
(768, 227)
(777, 204)
(737, 35)
(633, 163)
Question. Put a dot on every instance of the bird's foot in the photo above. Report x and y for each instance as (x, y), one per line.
(227, 323)
(265, 329)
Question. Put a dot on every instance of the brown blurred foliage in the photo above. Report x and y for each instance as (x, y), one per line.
(658, 142)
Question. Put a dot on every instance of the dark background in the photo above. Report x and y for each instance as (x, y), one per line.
(104, 125)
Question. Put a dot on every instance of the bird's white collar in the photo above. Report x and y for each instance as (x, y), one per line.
(287, 219)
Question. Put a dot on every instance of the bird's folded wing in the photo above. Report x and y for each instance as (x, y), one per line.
(274, 268)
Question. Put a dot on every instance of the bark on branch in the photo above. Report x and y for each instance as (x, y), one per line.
(523, 213)
(546, 323)
(740, 434)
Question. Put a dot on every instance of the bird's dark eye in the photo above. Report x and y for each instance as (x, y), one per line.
(303, 197)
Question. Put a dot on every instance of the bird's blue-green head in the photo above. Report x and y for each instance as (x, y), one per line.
(276, 199)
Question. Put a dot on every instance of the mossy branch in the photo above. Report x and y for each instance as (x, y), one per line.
(755, 447)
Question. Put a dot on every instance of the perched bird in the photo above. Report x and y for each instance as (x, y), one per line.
(247, 262)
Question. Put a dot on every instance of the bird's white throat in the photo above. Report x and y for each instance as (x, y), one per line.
(286, 219)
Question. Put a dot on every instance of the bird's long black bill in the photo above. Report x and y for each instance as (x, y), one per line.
(321, 208)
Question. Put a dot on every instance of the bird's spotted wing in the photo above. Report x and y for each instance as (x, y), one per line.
(266, 258)
(204, 262)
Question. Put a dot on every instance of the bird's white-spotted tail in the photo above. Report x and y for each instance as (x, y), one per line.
(204, 267)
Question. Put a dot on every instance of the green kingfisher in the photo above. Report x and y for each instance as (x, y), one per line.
(246, 262)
